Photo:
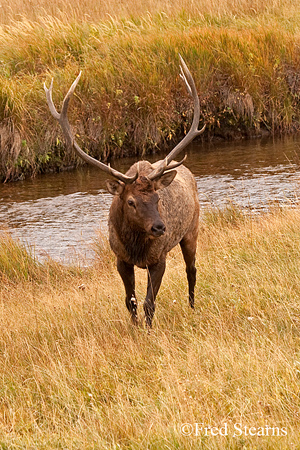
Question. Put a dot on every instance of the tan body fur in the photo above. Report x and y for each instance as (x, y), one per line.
(178, 208)
(133, 244)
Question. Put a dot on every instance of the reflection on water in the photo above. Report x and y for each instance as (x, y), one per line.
(60, 213)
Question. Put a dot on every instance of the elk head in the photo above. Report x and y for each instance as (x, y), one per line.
(139, 202)
(155, 178)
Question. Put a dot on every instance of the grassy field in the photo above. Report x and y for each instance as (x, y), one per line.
(91, 10)
(130, 100)
(75, 374)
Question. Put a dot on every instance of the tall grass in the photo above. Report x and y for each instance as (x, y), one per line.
(17, 263)
(76, 374)
(245, 61)
(91, 10)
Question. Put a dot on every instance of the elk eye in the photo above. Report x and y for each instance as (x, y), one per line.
(131, 203)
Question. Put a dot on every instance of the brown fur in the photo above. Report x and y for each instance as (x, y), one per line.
(131, 237)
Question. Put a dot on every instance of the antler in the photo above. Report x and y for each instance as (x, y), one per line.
(166, 164)
(65, 125)
(193, 132)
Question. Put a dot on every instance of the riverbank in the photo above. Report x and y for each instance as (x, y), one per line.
(76, 374)
(130, 99)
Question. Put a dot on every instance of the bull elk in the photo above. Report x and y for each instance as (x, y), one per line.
(154, 208)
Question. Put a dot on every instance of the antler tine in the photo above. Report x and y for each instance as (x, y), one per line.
(193, 132)
(183, 77)
(65, 125)
(50, 101)
(174, 164)
(65, 105)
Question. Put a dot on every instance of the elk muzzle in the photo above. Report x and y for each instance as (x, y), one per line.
(158, 229)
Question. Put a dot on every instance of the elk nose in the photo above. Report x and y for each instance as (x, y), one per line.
(158, 229)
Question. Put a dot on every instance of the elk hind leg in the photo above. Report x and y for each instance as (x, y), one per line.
(188, 247)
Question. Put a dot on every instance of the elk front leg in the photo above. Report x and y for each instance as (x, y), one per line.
(155, 274)
(126, 272)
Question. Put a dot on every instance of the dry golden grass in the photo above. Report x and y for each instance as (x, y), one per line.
(91, 10)
(75, 374)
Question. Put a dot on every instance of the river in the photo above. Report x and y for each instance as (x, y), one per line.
(59, 215)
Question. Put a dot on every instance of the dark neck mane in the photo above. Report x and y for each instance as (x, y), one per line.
(135, 242)
(136, 245)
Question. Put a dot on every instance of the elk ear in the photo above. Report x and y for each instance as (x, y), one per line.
(115, 187)
(165, 179)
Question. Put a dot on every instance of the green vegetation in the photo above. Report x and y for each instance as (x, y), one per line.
(130, 100)
(76, 374)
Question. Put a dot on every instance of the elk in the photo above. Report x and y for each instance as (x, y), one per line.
(154, 208)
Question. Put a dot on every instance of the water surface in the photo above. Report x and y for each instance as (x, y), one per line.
(60, 214)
